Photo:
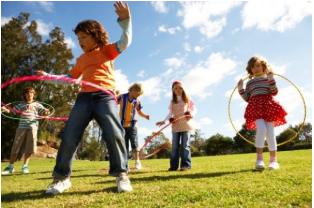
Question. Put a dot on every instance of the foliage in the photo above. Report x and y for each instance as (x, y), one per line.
(284, 136)
(93, 150)
(157, 142)
(198, 145)
(23, 52)
(219, 145)
(306, 133)
(242, 146)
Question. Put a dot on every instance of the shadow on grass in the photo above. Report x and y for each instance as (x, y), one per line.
(34, 195)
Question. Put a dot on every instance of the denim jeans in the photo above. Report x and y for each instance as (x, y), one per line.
(186, 150)
(131, 135)
(103, 109)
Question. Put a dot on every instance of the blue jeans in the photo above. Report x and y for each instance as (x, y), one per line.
(103, 109)
(186, 150)
(131, 135)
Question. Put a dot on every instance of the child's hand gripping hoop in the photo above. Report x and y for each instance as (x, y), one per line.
(166, 144)
(300, 129)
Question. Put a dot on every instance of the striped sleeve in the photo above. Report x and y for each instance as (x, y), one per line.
(245, 94)
(273, 87)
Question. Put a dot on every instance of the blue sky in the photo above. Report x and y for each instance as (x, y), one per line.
(205, 45)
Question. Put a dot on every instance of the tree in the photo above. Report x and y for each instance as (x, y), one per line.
(198, 145)
(93, 150)
(22, 52)
(306, 133)
(242, 146)
(218, 145)
(156, 143)
(284, 136)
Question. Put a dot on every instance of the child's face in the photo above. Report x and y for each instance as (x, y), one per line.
(135, 93)
(29, 96)
(86, 41)
(178, 90)
(257, 68)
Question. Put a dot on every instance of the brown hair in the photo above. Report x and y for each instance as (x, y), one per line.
(136, 86)
(253, 60)
(184, 96)
(27, 90)
(95, 29)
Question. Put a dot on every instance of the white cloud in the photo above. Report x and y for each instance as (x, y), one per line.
(209, 17)
(141, 73)
(237, 124)
(186, 47)
(208, 74)
(154, 54)
(274, 15)
(160, 6)
(174, 62)
(171, 31)
(43, 28)
(152, 88)
(70, 42)
(168, 72)
(5, 20)
(198, 49)
(205, 121)
(291, 100)
(48, 6)
(235, 30)
(122, 82)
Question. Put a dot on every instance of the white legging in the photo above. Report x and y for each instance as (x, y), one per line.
(265, 129)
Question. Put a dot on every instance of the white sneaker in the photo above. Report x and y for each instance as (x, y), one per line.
(58, 186)
(124, 183)
(259, 165)
(138, 164)
(273, 166)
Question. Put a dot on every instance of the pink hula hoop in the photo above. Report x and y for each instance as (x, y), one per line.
(167, 143)
(66, 79)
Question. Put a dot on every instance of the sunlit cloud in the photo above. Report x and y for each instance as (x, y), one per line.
(280, 15)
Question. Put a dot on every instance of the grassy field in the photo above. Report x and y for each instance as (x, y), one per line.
(216, 181)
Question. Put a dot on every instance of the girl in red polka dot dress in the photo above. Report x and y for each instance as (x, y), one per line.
(262, 113)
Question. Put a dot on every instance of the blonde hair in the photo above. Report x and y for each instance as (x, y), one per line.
(253, 60)
(136, 86)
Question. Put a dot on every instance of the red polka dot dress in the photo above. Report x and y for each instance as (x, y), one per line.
(259, 94)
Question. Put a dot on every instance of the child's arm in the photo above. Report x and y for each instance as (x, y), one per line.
(272, 84)
(140, 112)
(125, 23)
(43, 73)
(244, 93)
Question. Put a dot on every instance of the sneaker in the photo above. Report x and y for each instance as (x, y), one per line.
(172, 169)
(7, 170)
(273, 166)
(259, 165)
(184, 169)
(58, 186)
(25, 169)
(138, 165)
(123, 182)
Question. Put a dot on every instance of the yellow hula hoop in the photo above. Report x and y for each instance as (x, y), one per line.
(300, 129)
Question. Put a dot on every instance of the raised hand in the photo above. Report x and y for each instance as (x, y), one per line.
(122, 10)
(40, 72)
(160, 123)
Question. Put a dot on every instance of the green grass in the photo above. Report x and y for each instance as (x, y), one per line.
(216, 181)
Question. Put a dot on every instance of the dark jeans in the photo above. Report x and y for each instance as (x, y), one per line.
(131, 135)
(184, 137)
(103, 109)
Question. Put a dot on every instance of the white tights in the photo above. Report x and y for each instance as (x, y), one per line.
(265, 129)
